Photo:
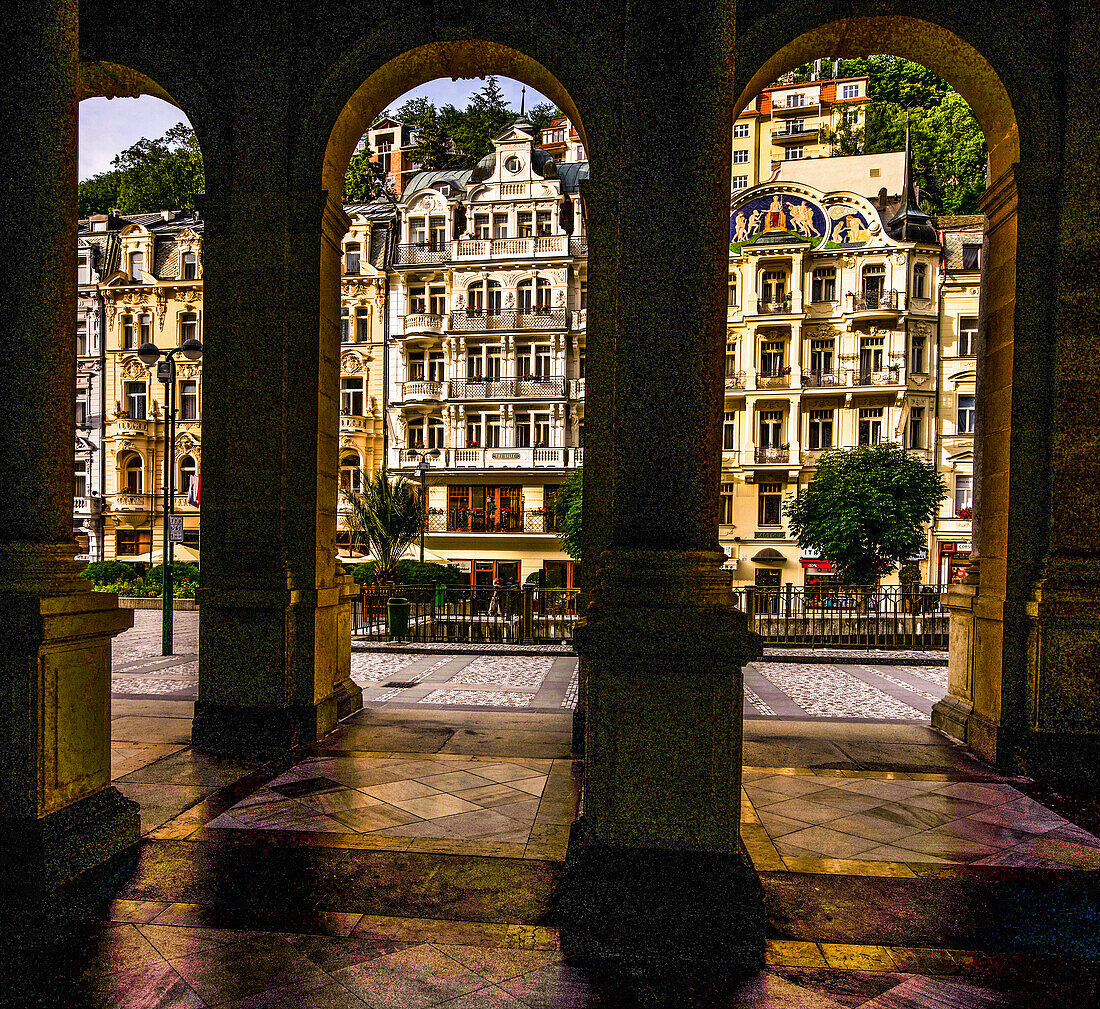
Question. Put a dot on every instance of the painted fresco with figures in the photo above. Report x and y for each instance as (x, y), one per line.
(785, 214)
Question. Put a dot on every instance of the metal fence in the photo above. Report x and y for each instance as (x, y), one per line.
(515, 614)
(837, 615)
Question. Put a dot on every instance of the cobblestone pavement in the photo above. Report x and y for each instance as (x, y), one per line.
(847, 685)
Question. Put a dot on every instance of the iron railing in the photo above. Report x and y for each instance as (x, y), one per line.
(479, 321)
(782, 306)
(871, 301)
(774, 455)
(890, 375)
(530, 387)
(889, 617)
(774, 380)
(513, 614)
(820, 379)
(423, 253)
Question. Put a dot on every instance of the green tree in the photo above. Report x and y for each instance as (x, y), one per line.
(365, 180)
(385, 518)
(542, 115)
(160, 174)
(486, 116)
(845, 140)
(866, 508)
(567, 513)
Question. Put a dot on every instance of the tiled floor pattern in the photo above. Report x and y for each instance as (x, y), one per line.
(893, 823)
(155, 954)
(518, 806)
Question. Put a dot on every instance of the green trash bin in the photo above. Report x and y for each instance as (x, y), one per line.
(440, 595)
(397, 617)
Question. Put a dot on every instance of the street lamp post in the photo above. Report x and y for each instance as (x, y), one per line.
(423, 465)
(149, 354)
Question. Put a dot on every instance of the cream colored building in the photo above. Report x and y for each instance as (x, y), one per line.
(154, 294)
(486, 357)
(832, 323)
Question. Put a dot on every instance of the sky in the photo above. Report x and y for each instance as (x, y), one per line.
(109, 126)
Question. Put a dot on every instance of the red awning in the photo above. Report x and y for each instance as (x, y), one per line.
(817, 565)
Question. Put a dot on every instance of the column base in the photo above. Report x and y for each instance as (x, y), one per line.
(51, 850)
(951, 715)
(349, 698)
(260, 732)
(677, 918)
(577, 744)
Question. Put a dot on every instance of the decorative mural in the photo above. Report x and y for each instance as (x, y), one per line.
(782, 217)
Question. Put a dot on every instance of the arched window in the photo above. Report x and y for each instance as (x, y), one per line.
(351, 473)
(132, 474)
(483, 298)
(187, 470)
(534, 296)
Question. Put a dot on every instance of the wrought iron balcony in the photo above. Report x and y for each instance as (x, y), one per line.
(423, 253)
(532, 387)
(876, 301)
(578, 247)
(576, 388)
(777, 380)
(734, 380)
(877, 376)
(580, 319)
(822, 379)
(773, 455)
(480, 321)
(779, 307)
(481, 520)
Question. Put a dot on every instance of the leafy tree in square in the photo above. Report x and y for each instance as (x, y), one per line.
(365, 180)
(567, 513)
(866, 508)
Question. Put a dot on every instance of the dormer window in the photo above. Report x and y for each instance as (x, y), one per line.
(190, 270)
(512, 164)
(351, 258)
(137, 266)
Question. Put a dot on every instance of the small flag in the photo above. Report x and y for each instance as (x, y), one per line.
(194, 490)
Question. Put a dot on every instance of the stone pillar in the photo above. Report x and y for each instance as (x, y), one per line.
(268, 639)
(349, 695)
(59, 814)
(656, 877)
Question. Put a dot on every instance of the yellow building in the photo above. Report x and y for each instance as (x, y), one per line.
(155, 295)
(831, 342)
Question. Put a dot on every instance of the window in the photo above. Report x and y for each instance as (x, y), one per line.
(731, 360)
(500, 225)
(473, 430)
(773, 288)
(435, 366)
(871, 352)
(964, 492)
(81, 338)
(534, 296)
(823, 287)
(345, 326)
(725, 504)
(81, 409)
(418, 231)
(351, 396)
(740, 157)
(187, 470)
(795, 153)
(966, 415)
(821, 429)
(435, 432)
(796, 126)
(870, 426)
(437, 227)
(351, 475)
(874, 280)
(135, 400)
(481, 225)
(920, 281)
(729, 432)
(968, 335)
(916, 427)
(80, 478)
(542, 222)
(133, 542)
(584, 294)
(362, 326)
(190, 269)
(351, 257)
(851, 117)
(437, 301)
(795, 101)
(127, 332)
(740, 182)
(189, 399)
(83, 270)
(850, 91)
(416, 367)
(771, 358)
(416, 433)
(771, 427)
(771, 500)
(145, 328)
(740, 130)
(580, 364)
(917, 355)
(731, 292)
(972, 257)
(523, 219)
(418, 300)
(137, 266)
(189, 327)
(821, 357)
(492, 430)
(542, 430)
(523, 430)
(132, 473)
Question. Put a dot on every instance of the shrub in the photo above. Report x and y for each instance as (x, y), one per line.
(102, 572)
(180, 571)
(409, 572)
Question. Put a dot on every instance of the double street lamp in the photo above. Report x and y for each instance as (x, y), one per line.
(149, 354)
(422, 456)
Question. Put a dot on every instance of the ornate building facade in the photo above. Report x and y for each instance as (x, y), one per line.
(487, 355)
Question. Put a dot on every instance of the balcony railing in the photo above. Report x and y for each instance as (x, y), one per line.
(578, 247)
(422, 390)
(478, 321)
(576, 388)
(779, 307)
(539, 520)
(424, 322)
(876, 301)
(773, 455)
(776, 380)
(735, 380)
(890, 375)
(580, 319)
(423, 253)
(473, 457)
(779, 136)
(479, 520)
(126, 502)
(352, 422)
(536, 246)
(533, 387)
(822, 379)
